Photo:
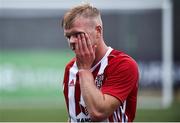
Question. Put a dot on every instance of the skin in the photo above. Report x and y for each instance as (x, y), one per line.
(85, 38)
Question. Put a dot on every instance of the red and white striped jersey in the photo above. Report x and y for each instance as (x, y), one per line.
(115, 74)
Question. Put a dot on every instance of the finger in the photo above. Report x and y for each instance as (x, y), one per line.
(87, 39)
(88, 42)
(84, 42)
(80, 43)
(76, 47)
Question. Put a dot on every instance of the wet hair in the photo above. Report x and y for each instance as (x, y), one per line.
(85, 10)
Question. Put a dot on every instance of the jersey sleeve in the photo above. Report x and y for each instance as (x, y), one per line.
(121, 76)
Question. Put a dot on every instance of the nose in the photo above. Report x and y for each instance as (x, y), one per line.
(72, 41)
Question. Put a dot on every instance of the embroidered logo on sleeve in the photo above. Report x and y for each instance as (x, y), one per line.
(99, 79)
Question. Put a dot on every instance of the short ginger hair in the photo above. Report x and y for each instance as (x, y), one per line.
(85, 10)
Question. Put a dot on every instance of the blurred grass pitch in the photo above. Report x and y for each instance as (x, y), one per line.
(41, 105)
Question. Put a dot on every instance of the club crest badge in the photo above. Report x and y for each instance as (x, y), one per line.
(99, 79)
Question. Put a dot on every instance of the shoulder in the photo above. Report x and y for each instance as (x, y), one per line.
(70, 64)
(119, 61)
(66, 72)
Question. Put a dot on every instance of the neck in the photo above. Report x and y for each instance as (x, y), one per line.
(101, 50)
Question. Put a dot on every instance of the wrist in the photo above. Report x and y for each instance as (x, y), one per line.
(84, 70)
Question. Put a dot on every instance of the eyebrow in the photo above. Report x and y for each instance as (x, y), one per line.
(73, 33)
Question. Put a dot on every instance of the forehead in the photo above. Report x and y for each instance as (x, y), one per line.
(79, 24)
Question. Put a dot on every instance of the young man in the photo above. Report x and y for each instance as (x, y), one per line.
(100, 83)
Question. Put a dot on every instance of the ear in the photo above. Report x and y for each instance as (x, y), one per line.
(98, 31)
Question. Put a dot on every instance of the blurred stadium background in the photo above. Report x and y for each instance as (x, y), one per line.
(33, 54)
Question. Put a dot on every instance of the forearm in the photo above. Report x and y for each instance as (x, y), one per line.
(93, 97)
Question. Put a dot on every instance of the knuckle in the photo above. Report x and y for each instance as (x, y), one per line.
(87, 53)
(91, 52)
(83, 54)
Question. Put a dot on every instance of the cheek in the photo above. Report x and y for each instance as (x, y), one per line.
(93, 38)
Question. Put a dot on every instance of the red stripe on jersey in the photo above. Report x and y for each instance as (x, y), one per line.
(65, 82)
(77, 95)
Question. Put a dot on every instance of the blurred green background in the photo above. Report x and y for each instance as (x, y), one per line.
(26, 103)
(42, 100)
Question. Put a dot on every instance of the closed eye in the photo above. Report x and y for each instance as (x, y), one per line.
(75, 34)
(68, 37)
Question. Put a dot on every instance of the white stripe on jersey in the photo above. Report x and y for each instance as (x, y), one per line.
(71, 90)
(123, 109)
(115, 117)
(118, 113)
(103, 61)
